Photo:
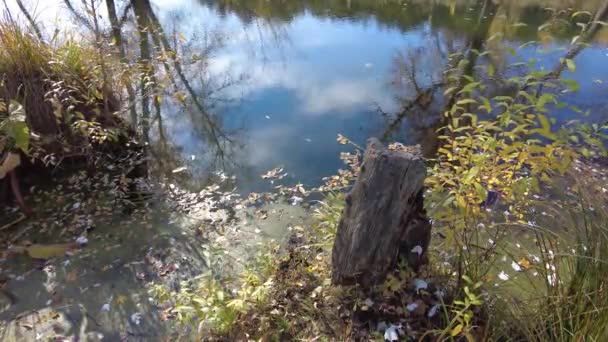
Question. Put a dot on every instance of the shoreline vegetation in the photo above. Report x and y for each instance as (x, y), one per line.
(518, 202)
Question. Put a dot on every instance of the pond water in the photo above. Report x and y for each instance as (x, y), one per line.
(308, 70)
(282, 78)
(279, 81)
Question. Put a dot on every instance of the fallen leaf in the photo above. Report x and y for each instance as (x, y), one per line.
(121, 299)
(525, 263)
(71, 276)
(49, 251)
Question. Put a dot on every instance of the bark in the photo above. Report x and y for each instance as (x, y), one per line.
(383, 219)
(143, 27)
(117, 35)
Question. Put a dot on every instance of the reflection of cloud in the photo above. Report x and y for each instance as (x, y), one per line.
(264, 144)
(315, 70)
(341, 95)
(317, 92)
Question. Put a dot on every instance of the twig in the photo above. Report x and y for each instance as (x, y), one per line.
(9, 225)
(16, 237)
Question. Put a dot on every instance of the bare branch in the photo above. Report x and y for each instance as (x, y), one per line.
(30, 19)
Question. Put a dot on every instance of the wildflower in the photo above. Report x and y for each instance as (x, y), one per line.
(412, 307)
(503, 276)
(420, 284)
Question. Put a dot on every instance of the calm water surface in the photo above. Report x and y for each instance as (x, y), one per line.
(288, 76)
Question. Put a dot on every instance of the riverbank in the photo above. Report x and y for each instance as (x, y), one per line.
(529, 267)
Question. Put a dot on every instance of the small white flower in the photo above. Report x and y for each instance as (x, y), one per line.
(503, 276)
(391, 334)
(81, 240)
(490, 241)
(417, 249)
(136, 318)
(412, 307)
(420, 284)
(433, 311)
(105, 307)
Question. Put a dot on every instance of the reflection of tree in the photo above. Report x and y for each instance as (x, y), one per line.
(449, 70)
(420, 105)
(162, 82)
(402, 15)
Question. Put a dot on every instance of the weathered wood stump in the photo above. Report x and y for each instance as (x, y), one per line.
(384, 217)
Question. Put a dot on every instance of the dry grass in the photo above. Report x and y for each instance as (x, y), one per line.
(56, 83)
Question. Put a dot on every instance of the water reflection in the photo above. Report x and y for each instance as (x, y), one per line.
(238, 87)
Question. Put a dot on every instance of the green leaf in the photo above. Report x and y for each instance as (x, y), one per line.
(571, 65)
(21, 134)
(572, 85)
(544, 99)
(465, 102)
(469, 87)
(491, 70)
(487, 106)
(578, 13)
(545, 129)
(449, 91)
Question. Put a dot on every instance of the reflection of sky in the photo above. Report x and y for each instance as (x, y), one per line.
(313, 78)
(323, 80)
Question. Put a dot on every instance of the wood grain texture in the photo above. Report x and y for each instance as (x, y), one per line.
(383, 218)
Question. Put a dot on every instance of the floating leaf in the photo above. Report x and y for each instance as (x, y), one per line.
(48, 251)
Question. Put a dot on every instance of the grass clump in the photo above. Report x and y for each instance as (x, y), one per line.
(59, 85)
(564, 294)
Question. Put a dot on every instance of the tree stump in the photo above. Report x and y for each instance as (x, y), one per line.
(383, 218)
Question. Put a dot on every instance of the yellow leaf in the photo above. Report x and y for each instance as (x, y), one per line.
(48, 251)
(121, 299)
(457, 330)
(71, 276)
(524, 263)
